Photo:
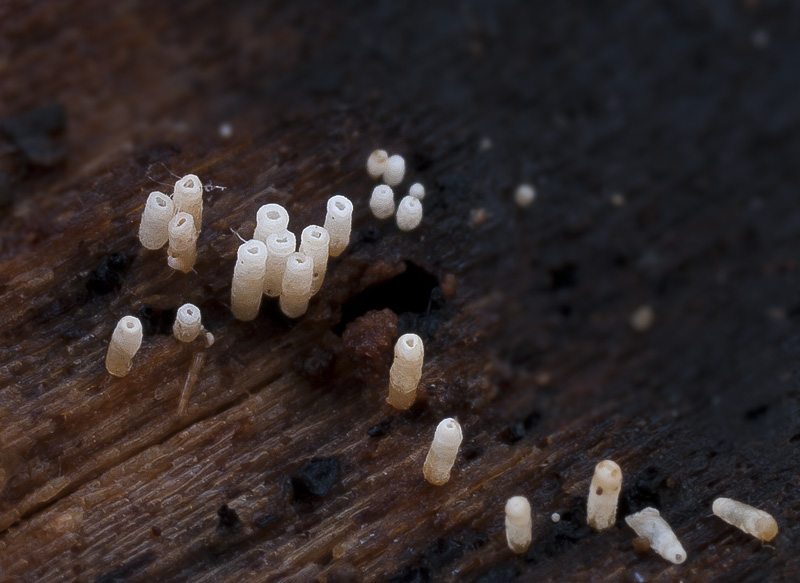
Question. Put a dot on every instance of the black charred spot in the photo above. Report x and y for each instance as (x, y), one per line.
(36, 134)
(265, 521)
(107, 277)
(563, 276)
(756, 412)
(156, 321)
(561, 536)
(504, 573)
(227, 517)
(318, 364)
(648, 489)
(380, 429)
(315, 479)
(411, 574)
(519, 429)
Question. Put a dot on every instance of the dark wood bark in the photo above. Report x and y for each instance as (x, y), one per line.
(663, 141)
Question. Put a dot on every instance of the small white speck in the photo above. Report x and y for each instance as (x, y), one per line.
(618, 199)
(760, 38)
(555, 517)
(524, 195)
(225, 130)
(642, 318)
(485, 144)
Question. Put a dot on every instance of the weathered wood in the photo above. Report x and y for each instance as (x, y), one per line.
(687, 109)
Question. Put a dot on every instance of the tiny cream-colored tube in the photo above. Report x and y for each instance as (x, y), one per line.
(125, 343)
(188, 198)
(279, 247)
(417, 191)
(381, 203)
(746, 518)
(443, 452)
(296, 287)
(649, 525)
(339, 222)
(518, 524)
(406, 371)
(409, 213)
(188, 323)
(270, 218)
(395, 170)
(154, 228)
(247, 286)
(315, 242)
(376, 163)
(182, 252)
(601, 507)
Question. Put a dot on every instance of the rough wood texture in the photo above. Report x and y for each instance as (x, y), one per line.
(686, 108)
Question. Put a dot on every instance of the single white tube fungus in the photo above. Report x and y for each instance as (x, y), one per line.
(296, 287)
(279, 247)
(443, 452)
(154, 228)
(188, 198)
(339, 222)
(601, 508)
(649, 525)
(406, 371)
(182, 251)
(270, 218)
(524, 195)
(188, 323)
(248, 279)
(519, 525)
(125, 343)
(751, 520)
(315, 242)
(376, 163)
(381, 203)
(417, 191)
(395, 170)
(409, 213)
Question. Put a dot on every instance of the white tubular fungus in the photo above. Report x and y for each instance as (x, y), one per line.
(339, 222)
(409, 213)
(182, 252)
(296, 287)
(524, 195)
(315, 242)
(154, 228)
(518, 524)
(270, 218)
(406, 371)
(601, 508)
(649, 525)
(376, 163)
(279, 247)
(125, 342)
(443, 452)
(417, 191)
(248, 280)
(381, 203)
(188, 198)
(751, 520)
(395, 170)
(188, 323)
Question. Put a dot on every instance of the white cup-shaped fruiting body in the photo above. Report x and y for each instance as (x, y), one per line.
(443, 452)
(381, 203)
(125, 343)
(649, 525)
(601, 508)
(395, 170)
(188, 323)
(518, 524)
(315, 242)
(406, 371)
(417, 191)
(188, 198)
(154, 228)
(296, 286)
(182, 252)
(751, 520)
(279, 247)
(339, 222)
(248, 279)
(409, 213)
(270, 218)
(524, 195)
(376, 163)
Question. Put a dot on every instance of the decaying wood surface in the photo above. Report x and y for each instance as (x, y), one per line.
(663, 141)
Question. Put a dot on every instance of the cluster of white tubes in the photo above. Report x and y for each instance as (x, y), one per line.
(393, 169)
(177, 221)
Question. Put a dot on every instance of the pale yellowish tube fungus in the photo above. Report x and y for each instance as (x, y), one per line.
(154, 228)
(188, 198)
(279, 247)
(339, 222)
(442, 453)
(406, 371)
(248, 279)
(518, 524)
(315, 242)
(649, 525)
(296, 287)
(182, 252)
(125, 343)
(601, 507)
(751, 520)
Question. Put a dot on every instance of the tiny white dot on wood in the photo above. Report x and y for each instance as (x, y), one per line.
(442, 453)
(125, 343)
(524, 195)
